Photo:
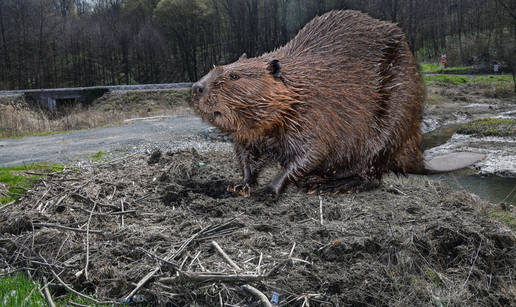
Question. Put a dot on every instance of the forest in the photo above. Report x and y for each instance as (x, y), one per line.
(75, 43)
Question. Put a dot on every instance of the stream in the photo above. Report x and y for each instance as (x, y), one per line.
(490, 187)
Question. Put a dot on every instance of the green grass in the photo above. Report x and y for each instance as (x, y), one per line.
(45, 133)
(492, 79)
(79, 300)
(11, 178)
(446, 80)
(505, 218)
(20, 291)
(489, 127)
(97, 156)
(437, 68)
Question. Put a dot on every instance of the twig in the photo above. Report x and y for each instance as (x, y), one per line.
(123, 158)
(22, 188)
(47, 293)
(225, 256)
(258, 294)
(68, 228)
(400, 192)
(44, 194)
(174, 265)
(7, 205)
(88, 243)
(182, 278)
(77, 304)
(51, 166)
(38, 174)
(33, 232)
(435, 252)
(221, 233)
(17, 270)
(292, 250)
(93, 202)
(472, 265)
(102, 214)
(79, 293)
(277, 267)
(122, 207)
(259, 263)
(61, 199)
(142, 198)
(158, 267)
(320, 209)
(46, 264)
(194, 258)
(118, 213)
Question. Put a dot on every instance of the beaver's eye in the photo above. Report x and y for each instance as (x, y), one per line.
(234, 77)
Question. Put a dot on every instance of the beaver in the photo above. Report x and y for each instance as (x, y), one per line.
(336, 107)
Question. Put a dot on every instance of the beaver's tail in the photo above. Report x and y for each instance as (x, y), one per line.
(448, 163)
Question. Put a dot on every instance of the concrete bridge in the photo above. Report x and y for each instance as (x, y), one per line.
(57, 98)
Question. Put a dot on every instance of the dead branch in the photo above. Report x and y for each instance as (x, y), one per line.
(195, 278)
(225, 256)
(88, 243)
(93, 202)
(157, 268)
(320, 210)
(47, 293)
(258, 294)
(174, 265)
(7, 205)
(122, 208)
(68, 228)
(79, 293)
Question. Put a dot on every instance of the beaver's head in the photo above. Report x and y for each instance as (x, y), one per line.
(246, 98)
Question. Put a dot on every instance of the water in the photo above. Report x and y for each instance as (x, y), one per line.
(438, 136)
(493, 188)
(490, 187)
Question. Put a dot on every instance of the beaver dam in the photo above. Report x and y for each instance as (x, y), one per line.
(153, 229)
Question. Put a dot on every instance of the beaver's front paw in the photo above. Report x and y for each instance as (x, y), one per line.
(242, 188)
(267, 194)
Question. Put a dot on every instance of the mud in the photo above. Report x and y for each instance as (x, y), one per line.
(412, 242)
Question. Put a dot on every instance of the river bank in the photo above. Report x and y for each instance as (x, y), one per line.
(451, 106)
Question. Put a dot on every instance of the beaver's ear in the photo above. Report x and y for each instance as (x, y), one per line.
(274, 68)
(243, 56)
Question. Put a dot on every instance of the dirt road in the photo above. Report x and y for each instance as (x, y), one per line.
(71, 146)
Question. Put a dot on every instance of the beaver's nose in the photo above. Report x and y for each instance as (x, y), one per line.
(199, 88)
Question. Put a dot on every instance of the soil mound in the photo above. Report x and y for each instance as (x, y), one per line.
(153, 229)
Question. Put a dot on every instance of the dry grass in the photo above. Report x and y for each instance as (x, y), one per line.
(19, 117)
(473, 92)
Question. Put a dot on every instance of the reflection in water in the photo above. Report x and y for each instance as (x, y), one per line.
(438, 136)
(491, 187)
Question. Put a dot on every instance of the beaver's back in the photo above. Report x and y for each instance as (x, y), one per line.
(362, 90)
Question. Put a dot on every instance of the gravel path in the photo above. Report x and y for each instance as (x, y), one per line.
(170, 133)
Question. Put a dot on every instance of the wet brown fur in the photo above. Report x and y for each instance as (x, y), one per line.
(343, 109)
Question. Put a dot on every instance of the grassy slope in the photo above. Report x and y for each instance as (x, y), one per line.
(22, 118)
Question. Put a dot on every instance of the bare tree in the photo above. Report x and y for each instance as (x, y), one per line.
(506, 43)
(185, 23)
